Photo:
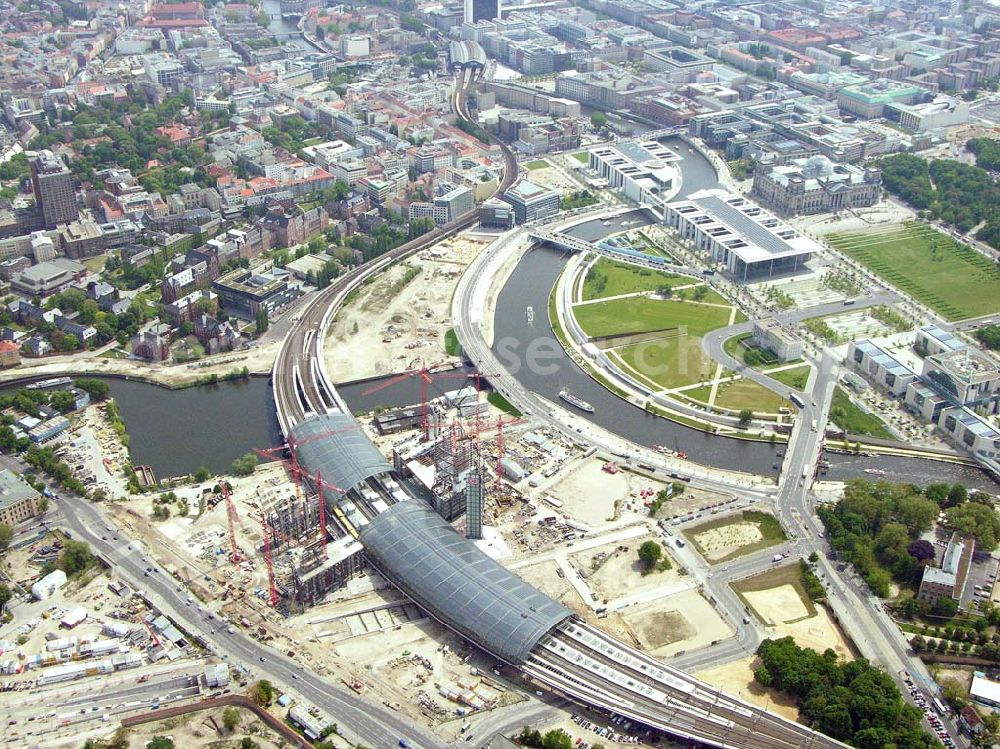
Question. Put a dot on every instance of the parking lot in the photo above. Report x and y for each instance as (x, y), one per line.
(933, 708)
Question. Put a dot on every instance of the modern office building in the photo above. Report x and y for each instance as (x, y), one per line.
(679, 64)
(816, 185)
(481, 10)
(244, 293)
(532, 202)
(18, 501)
(55, 194)
(879, 366)
(966, 377)
(749, 242)
(496, 214)
(783, 342)
(644, 172)
(869, 100)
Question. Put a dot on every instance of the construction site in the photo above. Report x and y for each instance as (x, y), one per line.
(449, 448)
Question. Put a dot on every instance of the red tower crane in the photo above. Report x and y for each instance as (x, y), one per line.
(271, 587)
(427, 377)
(232, 517)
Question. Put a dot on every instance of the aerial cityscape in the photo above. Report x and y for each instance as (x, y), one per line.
(485, 373)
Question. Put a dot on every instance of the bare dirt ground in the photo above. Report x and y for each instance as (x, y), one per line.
(399, 321)
(588, 493)
(205, 729)
(736, 678)
(720, 542)
(787, 614)
(544, 577)
(613, 571)
(655, 625)
(779, 605)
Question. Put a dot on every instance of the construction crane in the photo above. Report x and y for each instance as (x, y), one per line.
(272, 589)
(232, 517)
(427, 377)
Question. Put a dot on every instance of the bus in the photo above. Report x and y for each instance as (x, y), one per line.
(939, 707)
(796, 400)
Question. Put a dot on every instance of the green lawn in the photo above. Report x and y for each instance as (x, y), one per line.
(537, 164)
(502, 403)
(583, 157)
(641, 314)
(795, 378)
(669, 362)
(611, 278)
(853, 419)
(451, 345)
(947, 276)
(748, 394)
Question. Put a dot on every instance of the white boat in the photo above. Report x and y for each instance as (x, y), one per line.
(567, 396)
(875, 471)
(50, 383)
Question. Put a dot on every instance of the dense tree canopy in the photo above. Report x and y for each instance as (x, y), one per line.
(977, 520)
(953, 192)
(853, 702)
(873, 526)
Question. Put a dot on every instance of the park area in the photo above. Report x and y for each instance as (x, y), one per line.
(725, 538)
(643, 315)
(607, 278)
(947, 276)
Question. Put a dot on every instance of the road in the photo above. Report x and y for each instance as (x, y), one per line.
(360, 720)
(713, 342)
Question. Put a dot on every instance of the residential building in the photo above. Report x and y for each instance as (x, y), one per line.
(18, 501)
(55, 194)
(816, 185)
(532, 202)
(783, 342)
(739, 235)
(10, 355)
(948, 580)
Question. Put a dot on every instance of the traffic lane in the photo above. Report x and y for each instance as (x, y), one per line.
(351, 710)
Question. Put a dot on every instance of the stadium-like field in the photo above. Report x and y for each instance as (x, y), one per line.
(947, 276)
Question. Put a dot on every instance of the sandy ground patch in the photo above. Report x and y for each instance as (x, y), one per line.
(392, 325)
(819, 633)
(720, 542)
(588, 493)
(660, 628)
(688, 611)
(736, 678)
(204, 729)
(613, 571)
(545, 577)
(779, 605)
(554, 177)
